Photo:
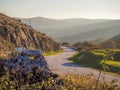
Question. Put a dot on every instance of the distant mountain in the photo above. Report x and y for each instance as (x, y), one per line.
(116, 39)
(103, 31)
(53, 24)
(13, 34)
(75, 30)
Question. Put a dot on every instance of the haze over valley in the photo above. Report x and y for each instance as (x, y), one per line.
(75, 30)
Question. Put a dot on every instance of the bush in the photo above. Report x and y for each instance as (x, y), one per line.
(108, 45)
(116, 56)
(85, 46)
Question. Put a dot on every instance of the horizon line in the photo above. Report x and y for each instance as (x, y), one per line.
(68, 18)
(64, 18)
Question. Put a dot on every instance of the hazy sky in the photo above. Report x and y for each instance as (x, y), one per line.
(62, 8)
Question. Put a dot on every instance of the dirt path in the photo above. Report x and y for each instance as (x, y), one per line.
(60, 63)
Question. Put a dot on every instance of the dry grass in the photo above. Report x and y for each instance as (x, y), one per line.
(80, 82)
(64, 82)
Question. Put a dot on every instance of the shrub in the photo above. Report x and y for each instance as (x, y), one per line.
(65, 82)
(109, 45)
(116, 56)
(85, 46)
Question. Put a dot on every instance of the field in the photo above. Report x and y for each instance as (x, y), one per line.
(98, 59)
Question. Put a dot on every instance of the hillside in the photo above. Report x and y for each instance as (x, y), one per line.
(116, 38)
(102, 30)
(96, 34)
(13, 34)
(56, 24)
(79, 29)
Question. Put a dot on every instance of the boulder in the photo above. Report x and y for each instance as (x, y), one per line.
(27, 62)
(23, 61)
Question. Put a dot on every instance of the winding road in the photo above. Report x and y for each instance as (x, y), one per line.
(59, 63)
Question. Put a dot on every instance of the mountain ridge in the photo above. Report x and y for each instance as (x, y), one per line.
(64, 28)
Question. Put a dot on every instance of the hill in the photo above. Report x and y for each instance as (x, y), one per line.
(116, 38)
(56, 24)
(98, 35)
(13, 34)
(75, 30)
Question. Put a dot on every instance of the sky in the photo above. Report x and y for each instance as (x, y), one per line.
(60, 9)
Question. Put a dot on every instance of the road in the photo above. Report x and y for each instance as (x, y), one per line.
(59, 63)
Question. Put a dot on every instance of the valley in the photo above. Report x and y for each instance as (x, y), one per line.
(59, 45)
(72, 48)
(75, 30)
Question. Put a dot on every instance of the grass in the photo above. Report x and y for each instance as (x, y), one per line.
(95, 58)
(52, 53)
(113, 63)
(65, 82)
(114, 66)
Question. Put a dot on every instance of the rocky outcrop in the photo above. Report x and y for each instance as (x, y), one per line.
(23, 68)
(13, 33)
(24, 64)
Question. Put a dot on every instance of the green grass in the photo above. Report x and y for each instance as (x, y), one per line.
(52, 53)
(114, 66)
(95, 58)
(113, 63)
(88, 59)
(48, 54)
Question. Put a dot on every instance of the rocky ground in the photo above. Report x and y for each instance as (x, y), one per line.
(14, 34)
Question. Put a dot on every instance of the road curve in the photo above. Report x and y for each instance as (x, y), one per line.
(59, 63)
